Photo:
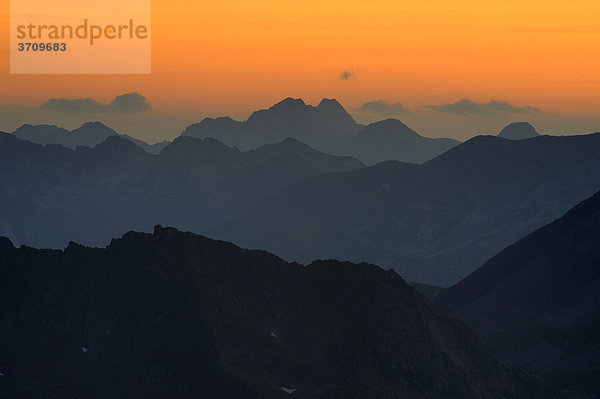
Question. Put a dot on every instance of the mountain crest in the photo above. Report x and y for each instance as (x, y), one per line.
(118, 146)
(518, 131)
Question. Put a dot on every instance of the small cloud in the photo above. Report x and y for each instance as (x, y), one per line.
(384, 108)
(494, 107)
(125, 103)
(130, 102)
(347, 75)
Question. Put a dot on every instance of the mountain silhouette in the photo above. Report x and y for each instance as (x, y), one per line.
(537, 303)
(43, 134)
(518, 131)
(89, 134)
(326, 127)
(174, 314)
(316, 126)
(52, 194)
(433, 223)
(391, 139)
(223, 129)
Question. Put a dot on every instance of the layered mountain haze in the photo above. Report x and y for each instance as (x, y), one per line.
(53, 194)
(537, 303)
(365, 199)
(90, 134)
(433, 223)
(173, 314)
(326, 127)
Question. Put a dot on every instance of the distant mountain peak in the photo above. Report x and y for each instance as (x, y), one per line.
(27, 126)
(118, 145)
(96, 124)
(288, 104)
(89, 134)
(330, 103)
(330, 111)
(391, 122)
(97, 129)
(518, 131)
(42, 134)
(219, 119)
(390, 126)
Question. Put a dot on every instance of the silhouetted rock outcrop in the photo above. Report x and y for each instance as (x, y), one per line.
(537, 303)
(173, 314)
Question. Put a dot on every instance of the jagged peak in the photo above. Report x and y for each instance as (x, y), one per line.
(330, 102)
(289, 103)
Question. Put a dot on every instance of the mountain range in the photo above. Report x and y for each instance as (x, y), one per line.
(326, 127)
(433, 223)
(537, 303)
(52, 194)
(174, 314)
(90, 134)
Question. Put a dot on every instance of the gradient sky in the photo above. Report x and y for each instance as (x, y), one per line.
(232, 57)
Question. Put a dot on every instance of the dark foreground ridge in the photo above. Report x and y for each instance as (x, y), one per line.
(537, 303)
(174, 314)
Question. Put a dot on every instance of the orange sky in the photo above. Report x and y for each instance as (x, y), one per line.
(237, 56)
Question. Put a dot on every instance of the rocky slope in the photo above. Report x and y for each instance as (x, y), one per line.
(537, 303)
(173, 314)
